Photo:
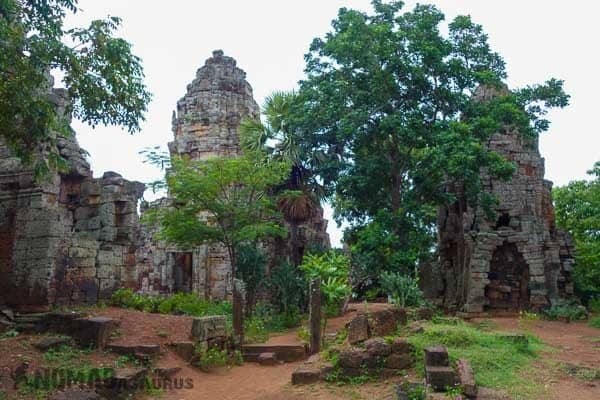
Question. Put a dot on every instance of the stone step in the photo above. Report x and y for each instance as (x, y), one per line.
(440, 378)
(284, 352)
(436, 356)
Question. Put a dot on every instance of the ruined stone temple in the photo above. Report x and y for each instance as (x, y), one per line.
(76, 238)
(69, 239)
(519, 260)
(205, 125)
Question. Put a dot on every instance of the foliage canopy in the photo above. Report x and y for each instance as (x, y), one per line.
(102, 76)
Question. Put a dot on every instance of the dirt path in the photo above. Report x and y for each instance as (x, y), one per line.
(575, 344)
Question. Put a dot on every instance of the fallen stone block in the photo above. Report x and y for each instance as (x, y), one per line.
(267, 359)
(436, 356)
(167, 373)
(352, 358)
(185, 350)
(312, 371)
(440, 378)
(206, 328)
(377, 347)
(48, 343)
(123, 383)
(285, 353)
(466, 378)
(401, 346)
(94, 332)
(358, 329)
(382, 322)
(399, 361)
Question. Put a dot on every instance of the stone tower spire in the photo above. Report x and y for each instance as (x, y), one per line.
(209, 114)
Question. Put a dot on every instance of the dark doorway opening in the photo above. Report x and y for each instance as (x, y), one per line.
(509, 280)
(182, 272)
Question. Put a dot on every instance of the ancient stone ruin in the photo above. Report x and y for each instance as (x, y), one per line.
(75, 238)
(69, 239)
(517, 261)
(205, 125)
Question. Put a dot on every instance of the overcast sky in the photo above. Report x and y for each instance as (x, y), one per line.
(538, 39)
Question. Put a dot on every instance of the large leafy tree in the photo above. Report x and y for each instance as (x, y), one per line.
(104, 79)
(402, 113)
(578, 211)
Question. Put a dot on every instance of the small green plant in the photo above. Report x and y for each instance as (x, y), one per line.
(213, 358)
(162, 334)
(151, 389)
(595, 322)
(413, 391)
(9, 334)
(303, 334)
(126, 360)
(402, 289)
(527, 320)
(255, 330)
(454, 392)
(569, 310)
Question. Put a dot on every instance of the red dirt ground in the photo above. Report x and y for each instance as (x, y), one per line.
(574, 343)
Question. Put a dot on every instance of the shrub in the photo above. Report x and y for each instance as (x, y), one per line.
(255, 330)
(570, 310)
(594, 305)
(250, 268)
(288, 289)
(595, 322)
(333, 269)
(403, 289)
(179, 303)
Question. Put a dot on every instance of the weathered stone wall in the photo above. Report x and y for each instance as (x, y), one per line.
(69, 239)
(517, 261)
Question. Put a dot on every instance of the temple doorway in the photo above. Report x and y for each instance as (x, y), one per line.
(508, 288)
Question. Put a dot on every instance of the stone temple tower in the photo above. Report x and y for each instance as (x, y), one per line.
(209, 114)
(517, 261)
(206, 125)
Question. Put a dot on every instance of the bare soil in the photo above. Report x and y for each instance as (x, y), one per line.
(574, 344)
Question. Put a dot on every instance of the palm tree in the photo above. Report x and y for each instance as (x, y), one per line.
(300, 195)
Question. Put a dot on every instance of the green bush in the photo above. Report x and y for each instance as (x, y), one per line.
(179, 303)
(333, 269)
(288, 289)
(595, 322)
(594, 305)
(566, 309)
(403, 289)
(255, 330)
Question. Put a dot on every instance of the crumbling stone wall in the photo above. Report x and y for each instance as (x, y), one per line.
(67, 239)
(206, 125)
(517, 261)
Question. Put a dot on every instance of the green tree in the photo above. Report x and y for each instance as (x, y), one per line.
(578, 211)
(402, 113)
(300, 194)
(102, 77)
(221, 199)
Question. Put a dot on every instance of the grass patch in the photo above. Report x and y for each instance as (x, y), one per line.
(61, 367)
(595, 322)
(498, 362)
